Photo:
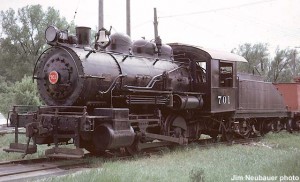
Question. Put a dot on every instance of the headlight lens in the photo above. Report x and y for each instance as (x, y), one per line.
(51, 33)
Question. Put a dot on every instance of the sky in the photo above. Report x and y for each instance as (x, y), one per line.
(217, 24)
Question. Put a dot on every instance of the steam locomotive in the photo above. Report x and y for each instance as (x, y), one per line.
(133, 95)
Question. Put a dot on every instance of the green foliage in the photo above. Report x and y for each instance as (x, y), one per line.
(22, 41)
(282, 68)
(23, 38)
(257, 57)
(20, 93)
(26, 92)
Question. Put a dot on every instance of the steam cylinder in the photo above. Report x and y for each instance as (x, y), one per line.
(106, 137)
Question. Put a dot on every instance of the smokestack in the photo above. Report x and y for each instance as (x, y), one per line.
(100, 13)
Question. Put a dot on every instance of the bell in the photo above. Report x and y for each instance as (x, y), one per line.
(103, 39)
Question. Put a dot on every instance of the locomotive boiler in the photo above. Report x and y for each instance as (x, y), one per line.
(116, 94)
(71, 75)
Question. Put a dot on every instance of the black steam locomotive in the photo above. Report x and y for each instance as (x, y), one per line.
(124, 94)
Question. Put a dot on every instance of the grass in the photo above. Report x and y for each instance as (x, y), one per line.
(6, 139)
(275, 155)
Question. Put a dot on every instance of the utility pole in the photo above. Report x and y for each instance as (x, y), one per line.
(100, 15)
(294, 63)
(156, 37)
(128, 24)
(155, 25)
(295, 77)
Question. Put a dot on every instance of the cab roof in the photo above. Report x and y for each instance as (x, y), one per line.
(205, 52)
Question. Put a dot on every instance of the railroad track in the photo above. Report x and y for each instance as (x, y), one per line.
(33, 169)
(10, 130)
(27, 170)
(6, 130)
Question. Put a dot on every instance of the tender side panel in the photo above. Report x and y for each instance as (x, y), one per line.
(260, 99)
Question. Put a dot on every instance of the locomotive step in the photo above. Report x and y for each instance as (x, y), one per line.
(21, 148)
(58, 152)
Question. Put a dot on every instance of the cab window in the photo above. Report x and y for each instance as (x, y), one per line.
(226, 74)
(201, 72)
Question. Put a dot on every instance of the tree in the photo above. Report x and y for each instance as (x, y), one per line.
(295, 63)
(19, 93)
(257, 57)
(21, 42)
(281, 68)
(23, 38)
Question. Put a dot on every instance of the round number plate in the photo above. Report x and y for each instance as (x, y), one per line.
(53, 77)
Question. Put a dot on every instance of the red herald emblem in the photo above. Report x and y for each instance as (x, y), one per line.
(53, 77)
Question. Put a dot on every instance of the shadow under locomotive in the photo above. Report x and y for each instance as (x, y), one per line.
(137, 95)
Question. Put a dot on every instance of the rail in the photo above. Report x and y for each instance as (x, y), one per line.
(33, 168)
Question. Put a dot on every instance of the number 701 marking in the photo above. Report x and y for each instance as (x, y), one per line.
(223, 99)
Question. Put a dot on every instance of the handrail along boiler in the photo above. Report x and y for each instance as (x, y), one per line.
(126, 94)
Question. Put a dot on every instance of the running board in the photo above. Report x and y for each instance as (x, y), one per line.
(180, 140)
(68, 153)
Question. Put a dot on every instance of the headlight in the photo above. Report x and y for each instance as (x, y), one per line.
(51, 33)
